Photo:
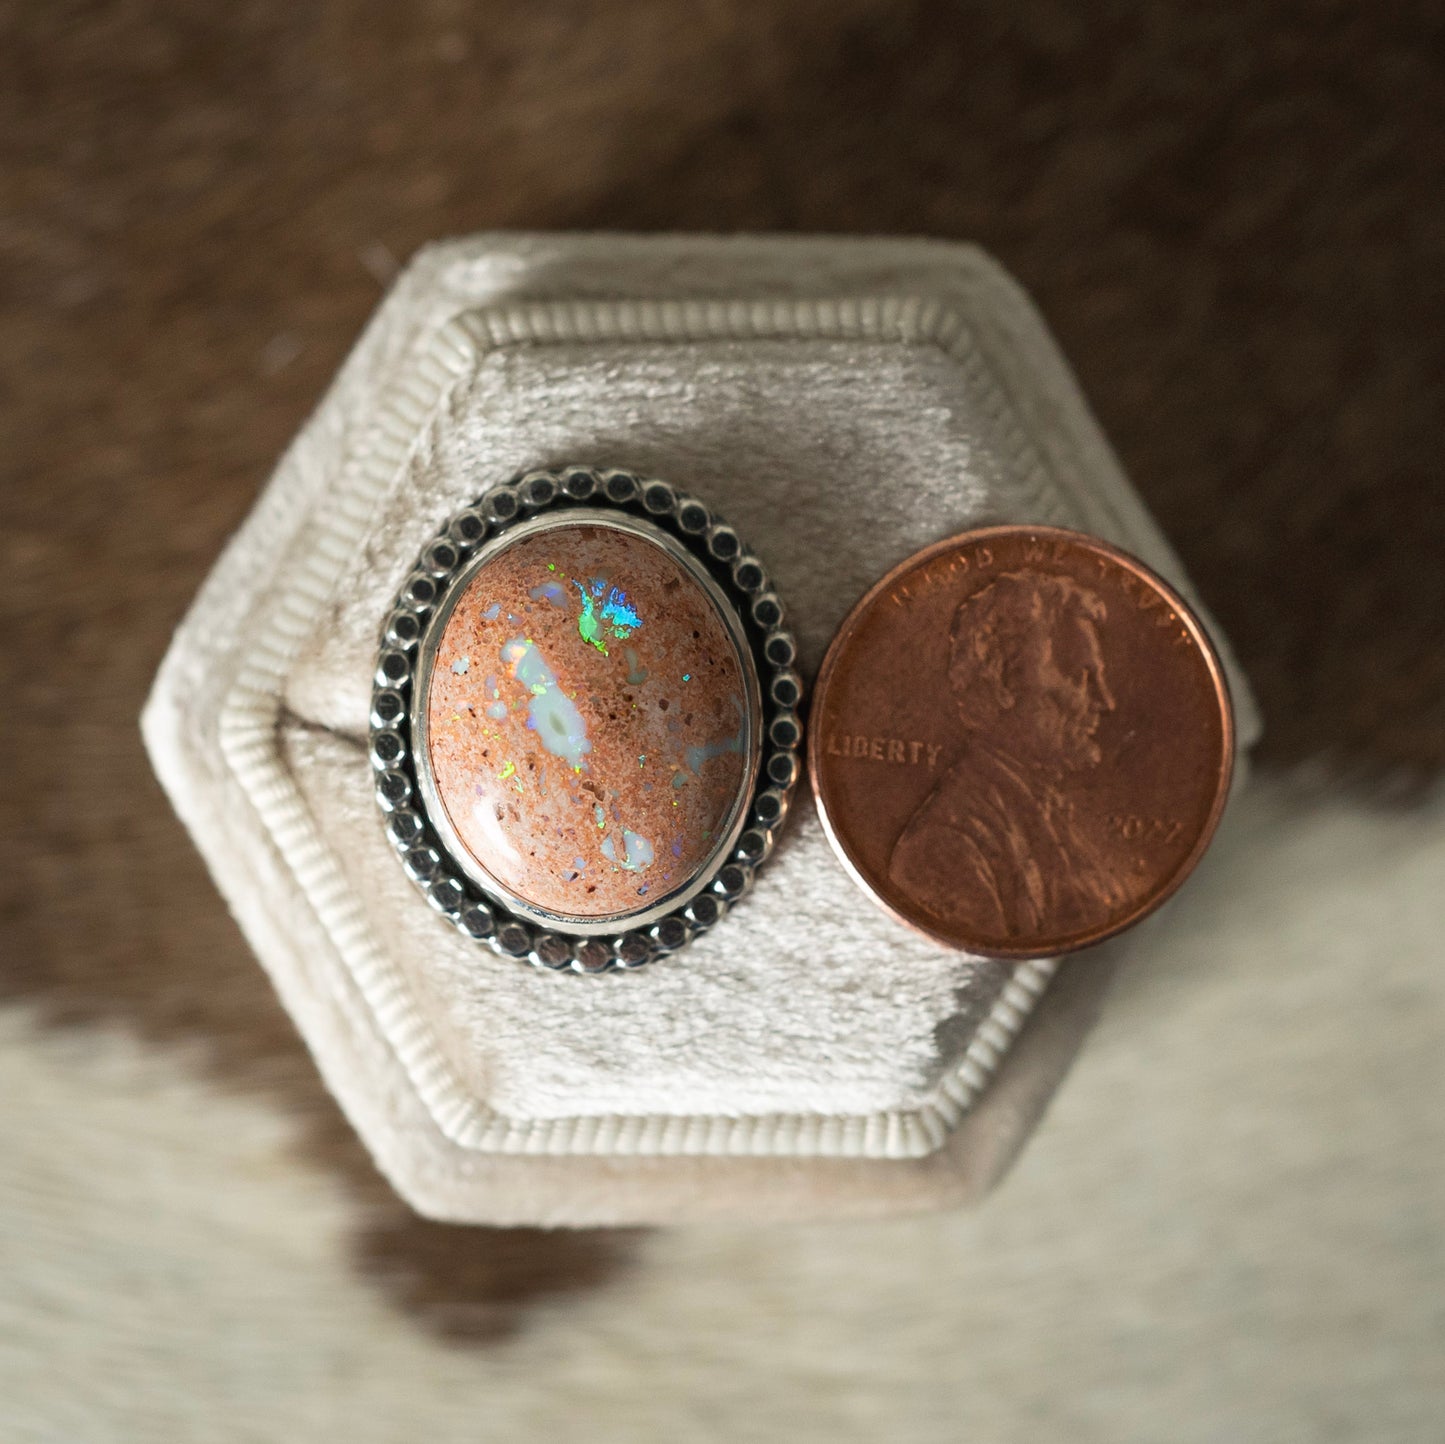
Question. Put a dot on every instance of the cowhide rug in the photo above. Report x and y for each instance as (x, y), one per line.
(1230, 1225)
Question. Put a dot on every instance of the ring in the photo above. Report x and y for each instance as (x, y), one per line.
(584, 721)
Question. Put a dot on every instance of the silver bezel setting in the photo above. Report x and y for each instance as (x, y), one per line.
(437, 814)
(417, 824)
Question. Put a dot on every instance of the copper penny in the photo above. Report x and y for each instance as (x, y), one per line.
(1022, 741)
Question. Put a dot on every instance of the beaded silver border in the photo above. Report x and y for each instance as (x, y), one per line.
(743, 581)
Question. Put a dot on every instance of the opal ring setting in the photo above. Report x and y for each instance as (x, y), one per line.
(584, 723)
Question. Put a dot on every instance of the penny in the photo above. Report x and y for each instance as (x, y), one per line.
(589, 721)
(1022, 741)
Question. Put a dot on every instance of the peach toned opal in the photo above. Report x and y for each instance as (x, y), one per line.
(589, 721)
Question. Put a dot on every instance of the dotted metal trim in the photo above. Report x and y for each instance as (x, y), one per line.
(744, 582)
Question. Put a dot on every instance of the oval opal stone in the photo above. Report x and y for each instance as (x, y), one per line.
(590, 733)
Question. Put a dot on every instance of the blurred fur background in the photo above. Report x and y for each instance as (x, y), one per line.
(1233, 218)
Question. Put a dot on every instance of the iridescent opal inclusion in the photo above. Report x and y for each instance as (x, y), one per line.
(588, 717)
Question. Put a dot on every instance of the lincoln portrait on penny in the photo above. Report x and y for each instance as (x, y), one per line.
(996, 847)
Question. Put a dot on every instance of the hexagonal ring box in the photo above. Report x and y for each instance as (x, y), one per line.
(843, 403)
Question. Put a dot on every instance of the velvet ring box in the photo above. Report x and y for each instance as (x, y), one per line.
(843, 402)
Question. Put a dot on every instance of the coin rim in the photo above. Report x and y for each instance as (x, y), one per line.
(1213, 664)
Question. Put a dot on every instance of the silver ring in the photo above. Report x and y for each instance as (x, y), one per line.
(456, 879)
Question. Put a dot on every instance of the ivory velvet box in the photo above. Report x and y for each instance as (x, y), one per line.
(842, 403)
